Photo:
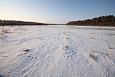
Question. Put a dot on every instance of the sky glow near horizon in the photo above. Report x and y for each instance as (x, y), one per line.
(55, 11)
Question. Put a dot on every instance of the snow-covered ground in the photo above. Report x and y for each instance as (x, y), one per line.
(57, 51)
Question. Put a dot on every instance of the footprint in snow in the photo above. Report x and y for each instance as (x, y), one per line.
(111, 48)
(58, 34)
(27, 50)
(95, 58)
(67, 38)
(69, 51)
(67, 47)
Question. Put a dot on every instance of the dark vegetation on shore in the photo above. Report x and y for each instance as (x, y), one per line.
(98, 21)
(14, 22)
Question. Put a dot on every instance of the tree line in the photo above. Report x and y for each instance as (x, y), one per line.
(14, 22)
(97, 21)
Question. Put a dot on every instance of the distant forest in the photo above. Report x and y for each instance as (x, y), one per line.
(98, 21)
(14, 22)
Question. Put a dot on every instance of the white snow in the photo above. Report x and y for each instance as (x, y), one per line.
(57, 51)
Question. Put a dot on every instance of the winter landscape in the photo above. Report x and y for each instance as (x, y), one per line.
(57, 51)
(57, 38)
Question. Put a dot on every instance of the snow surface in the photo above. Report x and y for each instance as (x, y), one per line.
(57, 51)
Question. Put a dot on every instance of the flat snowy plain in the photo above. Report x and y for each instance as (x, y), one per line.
(57, 51)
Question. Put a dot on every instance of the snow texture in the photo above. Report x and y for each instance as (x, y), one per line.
(57, 51)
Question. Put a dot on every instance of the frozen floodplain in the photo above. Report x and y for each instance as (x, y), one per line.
(57, 51)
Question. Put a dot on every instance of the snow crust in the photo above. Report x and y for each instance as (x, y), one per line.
(57, 51)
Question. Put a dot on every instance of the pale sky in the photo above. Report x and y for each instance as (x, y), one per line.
(55, 11)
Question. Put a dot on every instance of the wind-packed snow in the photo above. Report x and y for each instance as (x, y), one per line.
(57, 51)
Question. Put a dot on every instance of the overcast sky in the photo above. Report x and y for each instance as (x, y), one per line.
(55, 11)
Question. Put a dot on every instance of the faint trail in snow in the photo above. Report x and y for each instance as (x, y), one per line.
(48, 51)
